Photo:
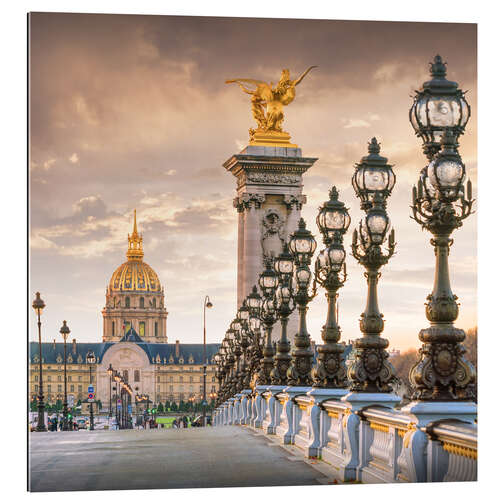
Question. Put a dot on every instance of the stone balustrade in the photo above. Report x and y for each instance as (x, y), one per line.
(374, 443)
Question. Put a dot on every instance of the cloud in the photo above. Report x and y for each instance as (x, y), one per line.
(353, 123)
(74, 158)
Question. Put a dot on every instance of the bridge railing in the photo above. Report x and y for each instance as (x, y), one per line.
(373, 444)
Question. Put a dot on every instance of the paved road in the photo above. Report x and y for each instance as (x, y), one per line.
(170, 458)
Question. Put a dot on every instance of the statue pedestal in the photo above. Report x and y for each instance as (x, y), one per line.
(269, 202)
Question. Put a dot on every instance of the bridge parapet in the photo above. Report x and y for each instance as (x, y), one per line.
(372, 444)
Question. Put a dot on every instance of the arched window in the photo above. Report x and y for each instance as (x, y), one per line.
(127, 302)
(141, 302)
(137, 376)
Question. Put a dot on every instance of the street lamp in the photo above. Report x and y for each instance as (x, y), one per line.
(254, 301)
(38, 306)
(333, 221)
(439, 106)
(116, 378)
(285, 305)
(91, 360)
(370, 371)
(206, 305)
(302, 246)
(110, 373)
(65, 331)
(440, 204)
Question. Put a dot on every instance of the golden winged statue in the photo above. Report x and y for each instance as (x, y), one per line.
(267, 106)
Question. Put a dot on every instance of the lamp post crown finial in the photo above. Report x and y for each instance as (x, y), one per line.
(302, 223)
(334, 194)
(374, 146)
(438, 67)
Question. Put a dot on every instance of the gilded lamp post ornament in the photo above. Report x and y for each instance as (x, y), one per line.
(438, 106)
(285, 305)
(440, 204)
(333, 221)
(268, 282)
(373, 181)
(302, 246)
(267, 107)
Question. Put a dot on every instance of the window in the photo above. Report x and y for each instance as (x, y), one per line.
(127, 302)
(171, 388)
(181, 379)
(137, 377)
(48, 388)
(158, 378)
(113, 328)
(79, 378)
(69, 378)
(36, 388)
(190, 379)
(154, 303)
(79, 388)
(142, 328)
(125, 375)
(191, 388)
(170, 379)
(59, 388)
(213, 379)
(213, 388)
(72, 388)
(156, 328)
(127, 325)
(36, 378)
(59, 378)
(141, 302)
(48, 379)
(158, 397)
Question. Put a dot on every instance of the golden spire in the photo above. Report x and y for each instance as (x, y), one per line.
(135, 251)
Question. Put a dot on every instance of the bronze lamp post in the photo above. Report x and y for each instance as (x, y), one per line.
(38, 306)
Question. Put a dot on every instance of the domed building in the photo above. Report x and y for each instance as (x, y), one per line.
(135, 298)
(134, 343)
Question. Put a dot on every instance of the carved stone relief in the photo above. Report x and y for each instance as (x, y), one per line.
(272, 233)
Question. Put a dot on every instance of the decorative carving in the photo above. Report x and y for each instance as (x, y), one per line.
(273, 237)
(248, 200)
(272, 178)
(292, 201)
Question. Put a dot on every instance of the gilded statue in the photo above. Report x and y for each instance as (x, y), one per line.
(267, 104)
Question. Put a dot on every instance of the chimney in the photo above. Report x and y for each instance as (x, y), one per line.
(177, 349)
(74, 346)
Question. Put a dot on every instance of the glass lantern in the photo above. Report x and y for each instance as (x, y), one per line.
(283, 295)
(254, 300)
(268, 280)
(333, 217)
(243, 312)
(302, 244)
(373, 176)
(438, 106)
(374, 228)
(303, 276)
(283, 264)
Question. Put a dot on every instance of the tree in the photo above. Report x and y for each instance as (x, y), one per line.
(470, 344)
(160, 407)
(173, 406)
(402, 365)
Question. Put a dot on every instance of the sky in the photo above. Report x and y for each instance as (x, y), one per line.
(132, 112)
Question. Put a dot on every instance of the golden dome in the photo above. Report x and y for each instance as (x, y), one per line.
(135, 274)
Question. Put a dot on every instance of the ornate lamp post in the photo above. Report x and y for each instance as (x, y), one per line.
(110, 373)
(268, 282)
(373, 181)
(254, 301)
(285, 305)
(38, 306)
(65, 331)
(440, 204)
(206, 305)
(116, 377)
(91, 360)
(302, 246)
(440, 105)
(333, 221)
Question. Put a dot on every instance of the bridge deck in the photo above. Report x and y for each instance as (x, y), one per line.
(170, 458)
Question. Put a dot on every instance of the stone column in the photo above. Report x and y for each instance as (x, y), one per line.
(269, 201)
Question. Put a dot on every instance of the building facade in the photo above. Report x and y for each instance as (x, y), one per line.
(134, 342)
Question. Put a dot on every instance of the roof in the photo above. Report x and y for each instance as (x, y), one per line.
(53, 352)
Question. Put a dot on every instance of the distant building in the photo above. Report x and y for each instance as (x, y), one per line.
(134, 342)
